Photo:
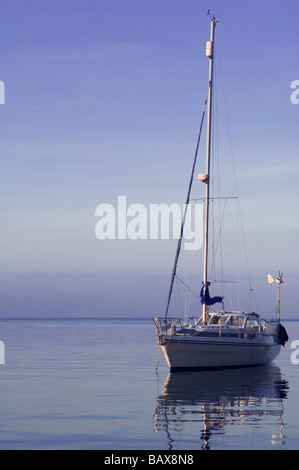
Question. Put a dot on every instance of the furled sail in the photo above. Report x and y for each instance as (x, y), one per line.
(205, 296)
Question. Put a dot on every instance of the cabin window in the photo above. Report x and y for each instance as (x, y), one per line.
(236, 321)
(218, 320)
(252, 325)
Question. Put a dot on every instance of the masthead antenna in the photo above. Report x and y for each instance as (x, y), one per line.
(213, 18)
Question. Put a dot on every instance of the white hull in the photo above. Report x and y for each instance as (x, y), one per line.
(187, 353)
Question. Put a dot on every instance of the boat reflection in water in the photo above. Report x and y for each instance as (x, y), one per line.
(227, 404)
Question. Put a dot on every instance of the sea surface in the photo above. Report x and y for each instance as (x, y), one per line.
(92, 384)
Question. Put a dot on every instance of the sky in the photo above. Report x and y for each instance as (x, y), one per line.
(103, 98)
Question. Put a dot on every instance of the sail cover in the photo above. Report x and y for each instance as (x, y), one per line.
(205, 297)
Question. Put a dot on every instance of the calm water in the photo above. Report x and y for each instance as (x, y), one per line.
(92, 384)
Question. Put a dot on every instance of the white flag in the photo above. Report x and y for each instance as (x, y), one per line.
(270, 279)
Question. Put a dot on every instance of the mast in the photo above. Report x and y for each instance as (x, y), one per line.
(209, 53)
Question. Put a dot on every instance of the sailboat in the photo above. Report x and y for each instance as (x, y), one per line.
(221, 338)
